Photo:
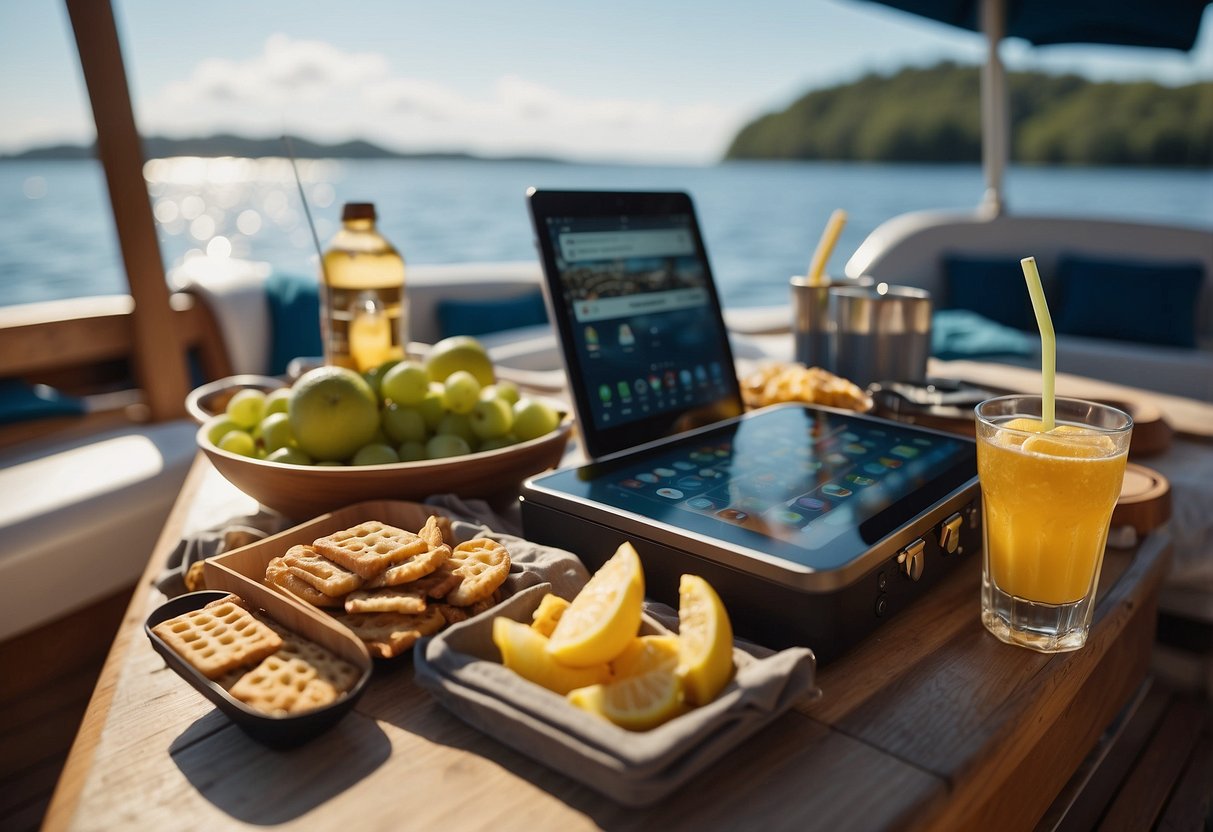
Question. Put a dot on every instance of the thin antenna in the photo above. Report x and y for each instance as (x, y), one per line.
(290, 152)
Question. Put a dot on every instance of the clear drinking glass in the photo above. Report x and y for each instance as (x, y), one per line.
(1047, 501)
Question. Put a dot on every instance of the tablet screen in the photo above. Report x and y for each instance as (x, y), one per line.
(639, 318)
(814, 487)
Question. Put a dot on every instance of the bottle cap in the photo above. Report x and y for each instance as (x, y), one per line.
(358, 211)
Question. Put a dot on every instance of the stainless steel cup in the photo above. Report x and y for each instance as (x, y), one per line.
(811, 323)
(879, 332)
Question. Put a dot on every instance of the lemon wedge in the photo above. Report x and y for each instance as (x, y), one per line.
(524, 651)
(1072, 445)
(605, 615)
(637, 703)
(644, 654)
(548, 613)
(705, 641)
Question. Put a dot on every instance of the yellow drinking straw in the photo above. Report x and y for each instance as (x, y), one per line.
(1048, 342)
(829, 238)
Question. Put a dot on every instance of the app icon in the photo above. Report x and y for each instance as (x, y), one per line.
(860, 480)
(812, 503)
(732, 515)
(700, 503)
(683, 465)
(837, 459)
(625, 392)
(850, 437)
(626, 338)
(591, 338)
(665, 472)
(654, 382)
(690, 483)
(854, 449)
(889, 462)
(632, 483)
(904, 451)
(670, 379)
(703, 456)
(639, 387)
(685, 377)
(717, 373)
(918, 440)
(669, 493)
(701, 375)
(833, 490)
(604, 392)
(647, 477)
(788, 518)
(710, 473)
(875, 468)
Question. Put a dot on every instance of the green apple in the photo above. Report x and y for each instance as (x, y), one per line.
(238, 442)
(276, 400)
(491, 418)
(247, 407)
(534, 418)
(446, 444)
(276, 432)
(460, 392)
(402, 424)
(333, 413)
(375, 454)
(289, 455)
(374, 376)
(406, 383)
(502, 389)
(432, 408)
(459, 352)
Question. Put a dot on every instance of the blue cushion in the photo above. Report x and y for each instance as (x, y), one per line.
(959, 333)
(993, 287)
(294, 306)
(20, 401)
(1145, 302)
(479, 317)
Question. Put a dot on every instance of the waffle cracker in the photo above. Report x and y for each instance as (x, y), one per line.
(218, 638)
(454, 614)
(280, 686)
(371, 547)
(411, 568)
(320, 572)
(482, 566)
(329, 667)
(437, 531)
(388, 634)
(405, 598)
(279, 574)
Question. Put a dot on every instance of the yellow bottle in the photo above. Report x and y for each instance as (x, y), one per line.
(364, 312)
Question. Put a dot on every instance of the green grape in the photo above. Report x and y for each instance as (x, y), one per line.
(411, 451)
(238, 442)
(276, 432)
(402, 424)
(491, 418)
(406, 383)
(375, 454)
(289, 455)
(276, 401)
(445, 445)
(461, 391)
(247, 407)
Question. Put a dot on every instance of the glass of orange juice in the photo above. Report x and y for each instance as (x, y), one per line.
(1047, 499)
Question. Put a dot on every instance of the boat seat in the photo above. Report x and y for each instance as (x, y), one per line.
(79, 518)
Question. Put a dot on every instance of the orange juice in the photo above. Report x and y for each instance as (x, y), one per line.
(1048, 500)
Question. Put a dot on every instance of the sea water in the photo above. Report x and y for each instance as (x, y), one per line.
(760, 220)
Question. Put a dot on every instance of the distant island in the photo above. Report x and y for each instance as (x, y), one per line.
(161, 147)
(930, 114)
(934, 115)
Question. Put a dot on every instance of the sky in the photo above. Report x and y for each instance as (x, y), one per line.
(626, 80)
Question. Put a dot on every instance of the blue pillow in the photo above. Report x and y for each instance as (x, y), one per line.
(480, 317)
(959, 333)
(1145, 302)
(992, 287)
(294, 305)
(20, 402)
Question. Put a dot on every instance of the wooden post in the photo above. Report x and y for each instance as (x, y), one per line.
(160, 367)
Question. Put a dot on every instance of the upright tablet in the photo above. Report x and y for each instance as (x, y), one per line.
(631, 293)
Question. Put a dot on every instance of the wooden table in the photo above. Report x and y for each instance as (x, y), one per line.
(929, 723)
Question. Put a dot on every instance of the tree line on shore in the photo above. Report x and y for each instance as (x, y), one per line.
(933, 114)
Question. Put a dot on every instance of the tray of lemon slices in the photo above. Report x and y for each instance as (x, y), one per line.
(630, 698)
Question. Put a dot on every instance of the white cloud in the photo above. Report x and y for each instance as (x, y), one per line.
(314, 89)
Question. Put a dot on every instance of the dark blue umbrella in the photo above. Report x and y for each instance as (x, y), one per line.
(1170, 24)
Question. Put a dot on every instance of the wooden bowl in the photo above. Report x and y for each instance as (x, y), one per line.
(304, 491)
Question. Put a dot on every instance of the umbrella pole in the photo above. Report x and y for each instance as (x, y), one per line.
(995, 106)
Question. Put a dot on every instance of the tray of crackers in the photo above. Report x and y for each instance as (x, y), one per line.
(387, 571)
(281, 673)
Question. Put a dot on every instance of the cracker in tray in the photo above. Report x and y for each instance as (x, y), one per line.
(320, 572)
(405, 598)
(371, 547)
(279, 574)
(436, 531)
(388, 634)
(218, 638)
(454, 614)
(482, 566)
(282, 685)
(411, 568)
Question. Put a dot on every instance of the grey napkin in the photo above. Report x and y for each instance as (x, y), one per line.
(460, 666)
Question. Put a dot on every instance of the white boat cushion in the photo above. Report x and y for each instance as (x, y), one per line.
(78, 520)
